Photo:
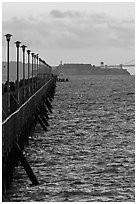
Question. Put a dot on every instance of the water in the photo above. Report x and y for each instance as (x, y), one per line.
(88, 154)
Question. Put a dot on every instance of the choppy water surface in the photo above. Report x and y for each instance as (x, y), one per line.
(88, 153)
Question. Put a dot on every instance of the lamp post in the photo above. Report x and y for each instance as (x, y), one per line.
(37, 68)
(39, 72)
(28, 51)
(8, 36)
(34, 71)
(32, 54)
(23, 50)
(17, 46)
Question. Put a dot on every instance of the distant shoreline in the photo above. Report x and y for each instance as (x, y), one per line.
(67, 69)
(88, 69)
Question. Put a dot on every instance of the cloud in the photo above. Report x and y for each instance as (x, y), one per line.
(72, 30)
(59, 14)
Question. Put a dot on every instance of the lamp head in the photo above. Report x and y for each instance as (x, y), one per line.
(28, 51)
(17, 43)
(23, 47)
(37, 55)
(8, 36)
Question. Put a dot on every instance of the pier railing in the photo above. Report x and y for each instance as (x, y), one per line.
(17, 127)
(13, 124)
(25, 92)
(24, 103)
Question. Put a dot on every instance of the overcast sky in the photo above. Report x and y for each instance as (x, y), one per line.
(72, 32)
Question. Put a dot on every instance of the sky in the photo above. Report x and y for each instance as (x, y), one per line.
(72, 32)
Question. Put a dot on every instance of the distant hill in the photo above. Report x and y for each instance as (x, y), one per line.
(88, 69)
(13, 70)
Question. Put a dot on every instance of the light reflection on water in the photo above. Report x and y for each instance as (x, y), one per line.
(88, 153)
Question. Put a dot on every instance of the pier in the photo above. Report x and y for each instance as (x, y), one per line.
(24, 103)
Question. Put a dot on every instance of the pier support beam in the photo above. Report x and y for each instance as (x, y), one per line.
(38, 118)
(48, 105)
(26, 165)
(39, 112)
(44, 111)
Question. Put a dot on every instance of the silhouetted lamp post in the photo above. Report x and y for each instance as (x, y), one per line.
(37, 68)
(28, 51)
(17, 46)
(35, 63)
(32, 54)
(34, 71)
(8, 36)
(23, 50)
